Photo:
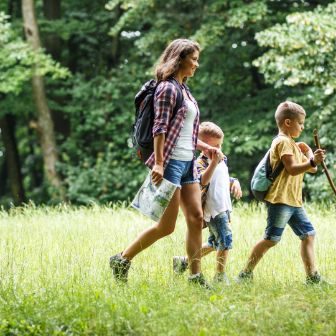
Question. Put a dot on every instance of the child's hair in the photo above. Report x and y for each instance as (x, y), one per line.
(288, 110)
(208, 128)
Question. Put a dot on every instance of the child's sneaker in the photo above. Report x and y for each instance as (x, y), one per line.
(180, 264)
(317, 279)
(120, 267)
(221, 277)
(198, 279)
(244, 277)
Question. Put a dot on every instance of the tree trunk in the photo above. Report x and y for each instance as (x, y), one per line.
(12, 158)
(45, 123)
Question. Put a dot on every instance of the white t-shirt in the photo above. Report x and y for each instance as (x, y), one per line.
(184, 148)
(218, 196)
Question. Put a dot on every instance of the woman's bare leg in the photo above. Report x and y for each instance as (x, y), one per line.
(192, 209)
(165, 227)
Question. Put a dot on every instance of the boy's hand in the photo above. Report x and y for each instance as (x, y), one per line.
(216, 156)
(319, 156)
(236, 189)
(210, 150)
(305, 149)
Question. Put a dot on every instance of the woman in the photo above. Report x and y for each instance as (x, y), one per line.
(175, 142)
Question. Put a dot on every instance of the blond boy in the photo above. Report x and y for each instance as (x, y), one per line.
(216, 186)
(284, 198)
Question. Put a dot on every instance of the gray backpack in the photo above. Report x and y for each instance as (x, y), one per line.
(263, 176)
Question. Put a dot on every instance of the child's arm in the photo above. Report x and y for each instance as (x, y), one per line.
(308, 153)
(293, 168)
(206, 149)
(235, 188)
(206, 175)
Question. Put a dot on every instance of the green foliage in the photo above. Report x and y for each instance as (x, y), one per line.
(301, 53)
(111, 47)
(97, 161)
(17, 60)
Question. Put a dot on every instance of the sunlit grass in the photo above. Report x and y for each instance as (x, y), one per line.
(55, 278)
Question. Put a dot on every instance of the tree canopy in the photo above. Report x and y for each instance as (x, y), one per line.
(254, 55)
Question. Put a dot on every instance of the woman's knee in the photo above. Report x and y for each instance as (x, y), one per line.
(164, 230)
(195, 220)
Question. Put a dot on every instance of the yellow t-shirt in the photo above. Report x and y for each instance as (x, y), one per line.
(286, 189)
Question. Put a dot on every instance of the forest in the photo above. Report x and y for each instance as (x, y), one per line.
(69, 71)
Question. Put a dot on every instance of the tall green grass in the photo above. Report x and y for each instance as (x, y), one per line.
(55, 278)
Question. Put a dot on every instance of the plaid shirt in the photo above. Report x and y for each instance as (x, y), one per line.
(164, 103)
(202, 164)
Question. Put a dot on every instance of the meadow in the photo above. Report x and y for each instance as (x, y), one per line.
(55, 278)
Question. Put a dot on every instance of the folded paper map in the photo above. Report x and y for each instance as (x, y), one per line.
(152, 200)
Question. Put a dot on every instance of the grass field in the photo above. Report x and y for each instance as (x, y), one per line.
(55, 278)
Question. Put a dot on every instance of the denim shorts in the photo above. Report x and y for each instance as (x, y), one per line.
(220, 236)
(180, 172)
(278, 215)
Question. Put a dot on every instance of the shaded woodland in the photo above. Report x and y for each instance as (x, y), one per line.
(69, 71)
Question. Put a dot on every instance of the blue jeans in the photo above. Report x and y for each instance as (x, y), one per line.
(220, 236)
(180, 172)
(278, 215)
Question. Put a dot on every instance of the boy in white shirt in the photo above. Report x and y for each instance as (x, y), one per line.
(216, 186)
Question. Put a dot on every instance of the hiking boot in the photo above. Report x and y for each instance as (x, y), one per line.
(221, 277)
(244, 277)
(180, 264)
(317, 279)
(120, 267)
(198, 279)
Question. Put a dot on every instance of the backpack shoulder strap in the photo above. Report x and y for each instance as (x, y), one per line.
(179, 97)
(277, 170)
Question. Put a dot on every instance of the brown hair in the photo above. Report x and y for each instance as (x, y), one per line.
(170, 59)
(210, 129)
(288, 110)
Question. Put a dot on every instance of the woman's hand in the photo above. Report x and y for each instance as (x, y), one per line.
(157, 173)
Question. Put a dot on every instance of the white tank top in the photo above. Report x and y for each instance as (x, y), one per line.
(184, 149)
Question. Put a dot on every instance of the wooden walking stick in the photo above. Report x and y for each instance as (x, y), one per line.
(325, 169)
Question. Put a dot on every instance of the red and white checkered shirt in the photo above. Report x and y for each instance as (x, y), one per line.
(164, 103)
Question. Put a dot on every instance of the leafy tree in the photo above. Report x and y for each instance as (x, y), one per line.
(228, 87)
(17, 60)
(301, 53)
(110, 49)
